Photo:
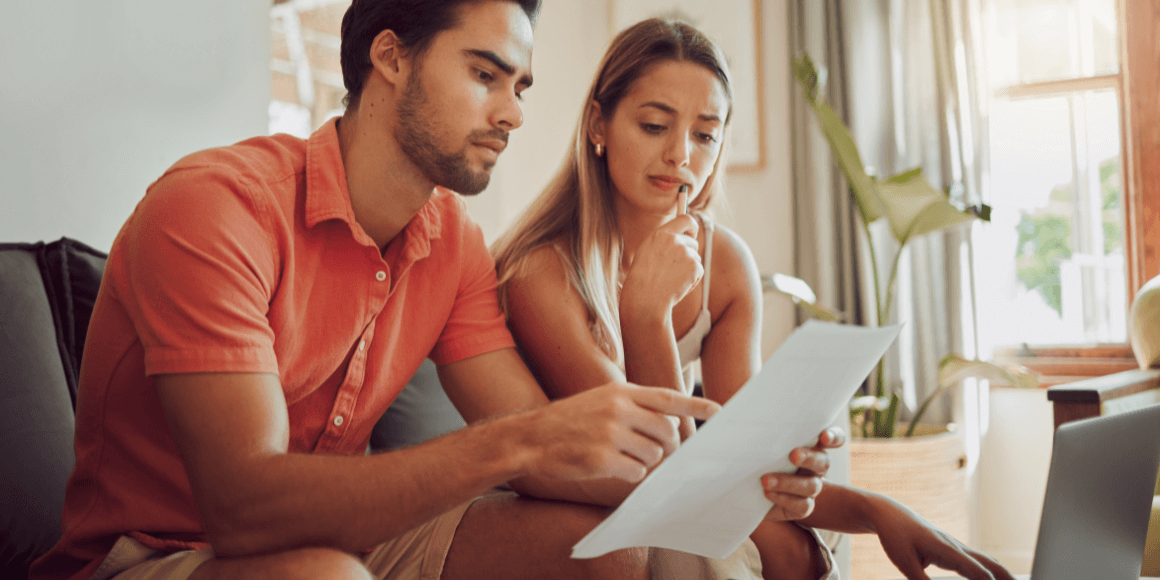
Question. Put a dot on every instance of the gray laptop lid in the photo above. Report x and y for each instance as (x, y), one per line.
(1099, 496)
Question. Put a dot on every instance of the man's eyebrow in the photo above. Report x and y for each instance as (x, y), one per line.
(503, 65)
(672, 111)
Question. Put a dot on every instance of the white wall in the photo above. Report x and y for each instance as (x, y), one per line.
(99, 98)
(570, 38)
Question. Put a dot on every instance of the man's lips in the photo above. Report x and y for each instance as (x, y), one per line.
(494, 144)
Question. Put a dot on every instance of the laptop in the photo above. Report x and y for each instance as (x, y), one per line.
(1099, 496)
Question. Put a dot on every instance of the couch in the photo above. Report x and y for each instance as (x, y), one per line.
(47, 292)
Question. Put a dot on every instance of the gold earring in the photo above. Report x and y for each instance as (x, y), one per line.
(599, 150)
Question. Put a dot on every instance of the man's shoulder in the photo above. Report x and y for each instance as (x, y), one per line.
(258, 159)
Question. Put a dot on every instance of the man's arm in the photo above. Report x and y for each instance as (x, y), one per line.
(255, 497)
(499, 383)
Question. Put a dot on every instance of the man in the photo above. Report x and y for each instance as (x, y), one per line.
(265, 303)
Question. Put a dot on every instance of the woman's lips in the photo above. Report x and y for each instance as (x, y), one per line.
(663, 182)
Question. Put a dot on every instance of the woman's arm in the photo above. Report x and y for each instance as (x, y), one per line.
(731, 352)
(549, 320)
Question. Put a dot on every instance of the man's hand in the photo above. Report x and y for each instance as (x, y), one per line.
(618, 430)
(793, 495)
(912, 544)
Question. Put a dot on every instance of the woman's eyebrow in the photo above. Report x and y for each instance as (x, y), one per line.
(668, 109)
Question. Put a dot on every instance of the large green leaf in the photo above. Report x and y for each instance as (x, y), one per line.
(955, 368)
(841, 143)
(802, 295)
(914, 207)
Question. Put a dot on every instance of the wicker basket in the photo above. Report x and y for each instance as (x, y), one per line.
(927, 473)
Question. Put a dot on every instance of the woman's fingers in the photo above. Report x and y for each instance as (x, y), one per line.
(810, 460)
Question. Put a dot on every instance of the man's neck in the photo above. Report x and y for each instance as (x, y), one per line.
(386, 189)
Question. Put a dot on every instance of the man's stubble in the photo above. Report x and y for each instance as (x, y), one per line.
(450, 170)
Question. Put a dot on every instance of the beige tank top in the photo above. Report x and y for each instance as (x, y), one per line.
(689, 345)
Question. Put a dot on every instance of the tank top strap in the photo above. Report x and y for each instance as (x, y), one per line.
(707, 225)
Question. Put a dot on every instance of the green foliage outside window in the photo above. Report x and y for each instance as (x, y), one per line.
(1045, 238)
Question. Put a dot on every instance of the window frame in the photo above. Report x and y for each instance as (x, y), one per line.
(1138, 86)
(1140, 82)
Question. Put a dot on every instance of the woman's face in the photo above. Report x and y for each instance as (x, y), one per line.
(665, 132)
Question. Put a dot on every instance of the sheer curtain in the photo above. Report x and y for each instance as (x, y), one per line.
(904, 75)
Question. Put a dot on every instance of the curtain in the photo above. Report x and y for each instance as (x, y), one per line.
(903, 74)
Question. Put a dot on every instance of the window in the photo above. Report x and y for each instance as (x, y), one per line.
(1056, 269)
(305, 74)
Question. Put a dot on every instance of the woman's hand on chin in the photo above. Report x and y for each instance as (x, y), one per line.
(666, 267)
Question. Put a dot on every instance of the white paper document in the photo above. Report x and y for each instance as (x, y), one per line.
(706, 498)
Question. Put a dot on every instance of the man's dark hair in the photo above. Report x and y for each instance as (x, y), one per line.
(415, 22)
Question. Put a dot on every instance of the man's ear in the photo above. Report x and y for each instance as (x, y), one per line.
(595, 124)
(389, 58)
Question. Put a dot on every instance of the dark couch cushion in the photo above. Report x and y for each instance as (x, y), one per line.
(422, 411)
(74, 273)
(36, 412)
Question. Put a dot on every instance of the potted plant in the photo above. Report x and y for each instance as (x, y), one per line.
(925, 468)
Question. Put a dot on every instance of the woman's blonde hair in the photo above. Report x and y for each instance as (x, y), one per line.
(575, 213)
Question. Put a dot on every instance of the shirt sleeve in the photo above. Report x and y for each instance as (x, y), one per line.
(476, 325)
(199, 271)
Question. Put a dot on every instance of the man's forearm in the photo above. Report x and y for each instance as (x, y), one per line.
(352, 503)
(606, 492)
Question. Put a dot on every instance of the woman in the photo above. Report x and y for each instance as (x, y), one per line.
(606, 277)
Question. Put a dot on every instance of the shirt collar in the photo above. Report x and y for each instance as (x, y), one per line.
(328, 198)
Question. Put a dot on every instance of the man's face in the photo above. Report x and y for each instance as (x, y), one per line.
(462, 96)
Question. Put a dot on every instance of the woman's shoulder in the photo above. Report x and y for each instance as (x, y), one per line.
(543, 261)
(733, 268)
(729, 248)
(541, 274)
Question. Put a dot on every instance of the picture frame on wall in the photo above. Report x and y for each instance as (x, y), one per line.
(735, 25)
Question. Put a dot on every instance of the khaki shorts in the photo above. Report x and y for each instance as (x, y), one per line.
(416, 555)
(420, 553)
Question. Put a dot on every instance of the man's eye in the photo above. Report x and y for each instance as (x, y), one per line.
(706, 138)
(484, 76)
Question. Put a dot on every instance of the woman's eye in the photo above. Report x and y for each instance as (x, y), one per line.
(652, 128)
(706, 138)
(484, 76)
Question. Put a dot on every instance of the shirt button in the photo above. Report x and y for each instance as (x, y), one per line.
(338, 421)
(380, 275)
(362, 344)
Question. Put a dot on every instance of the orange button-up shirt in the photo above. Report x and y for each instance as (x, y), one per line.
(248, 258)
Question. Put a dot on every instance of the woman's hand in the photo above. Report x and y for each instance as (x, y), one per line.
(666, 267)
(793, 495)
(912, 544)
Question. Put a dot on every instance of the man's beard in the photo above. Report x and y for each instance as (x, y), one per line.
(450, 170)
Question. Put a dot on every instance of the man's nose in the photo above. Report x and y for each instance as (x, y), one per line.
(509, 114)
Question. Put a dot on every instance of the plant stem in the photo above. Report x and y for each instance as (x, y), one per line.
(879, 390)
(893, 276)
(922, 409)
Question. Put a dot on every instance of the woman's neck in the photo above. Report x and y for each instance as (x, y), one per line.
(635, 225)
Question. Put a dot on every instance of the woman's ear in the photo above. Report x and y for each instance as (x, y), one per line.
(389, 58)
(595, 125)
